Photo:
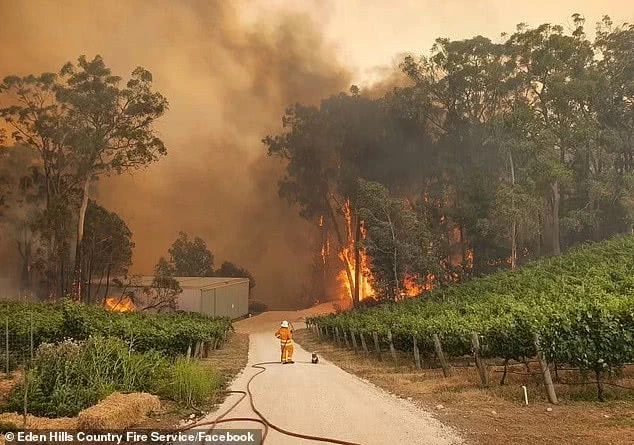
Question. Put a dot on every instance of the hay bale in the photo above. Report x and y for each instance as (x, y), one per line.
(118, 411)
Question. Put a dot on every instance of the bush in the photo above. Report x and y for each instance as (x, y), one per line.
(190, 382)
(70, 376)
(171, 334)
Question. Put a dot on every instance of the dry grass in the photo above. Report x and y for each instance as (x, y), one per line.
(118, 411)
(229, 360)
(38, 423)
(232, 358)
(7, 382)
(498, 414)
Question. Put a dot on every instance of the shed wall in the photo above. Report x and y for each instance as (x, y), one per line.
(227, 301)
(231, 300)
(208, 302)
(189, 300)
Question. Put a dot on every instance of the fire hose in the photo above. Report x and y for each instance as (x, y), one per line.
(261, 420)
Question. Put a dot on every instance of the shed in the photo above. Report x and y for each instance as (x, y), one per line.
(215, 296)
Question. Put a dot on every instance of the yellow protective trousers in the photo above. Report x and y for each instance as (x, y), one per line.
(287, 350)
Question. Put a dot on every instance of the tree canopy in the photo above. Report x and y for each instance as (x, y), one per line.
(84, 124)
(492, 154)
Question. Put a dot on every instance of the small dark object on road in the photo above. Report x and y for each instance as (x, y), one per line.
(315, 359)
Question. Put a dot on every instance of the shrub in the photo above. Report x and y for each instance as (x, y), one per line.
(190, 382)
(70, 376)
(171, 334)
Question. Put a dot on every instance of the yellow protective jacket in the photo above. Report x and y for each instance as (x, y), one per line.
(285, 335)
(286, 343)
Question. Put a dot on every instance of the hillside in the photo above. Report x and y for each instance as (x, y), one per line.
(579, 303)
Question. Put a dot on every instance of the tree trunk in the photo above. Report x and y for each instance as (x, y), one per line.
(397, 290)
(99, 285)
(514, 244)
(514, 223)
(556, 202)
(89, 272)
(62, 275)
(105, 295)
(76, 292)
(25, 252)
(357, 259)
(599, 386)
(342, 246)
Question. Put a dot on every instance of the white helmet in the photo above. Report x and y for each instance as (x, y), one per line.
(285, 324)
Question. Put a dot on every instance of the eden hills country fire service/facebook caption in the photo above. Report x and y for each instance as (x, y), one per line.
(203, 436)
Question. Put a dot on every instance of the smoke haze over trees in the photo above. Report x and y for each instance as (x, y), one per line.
(227, 83)
(483, 167)
(494, 154)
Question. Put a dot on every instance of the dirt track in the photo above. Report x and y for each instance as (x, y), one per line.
(322, 399)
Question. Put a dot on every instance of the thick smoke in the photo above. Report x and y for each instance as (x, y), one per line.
(228, 83)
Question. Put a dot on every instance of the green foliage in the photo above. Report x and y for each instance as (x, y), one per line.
(190, 382)
(107, 244)
(580, 303)
(170, 333)
(83, 124)
(191, 257)
(228, 269)
(70, 376)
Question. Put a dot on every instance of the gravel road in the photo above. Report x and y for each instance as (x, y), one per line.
(322, 399)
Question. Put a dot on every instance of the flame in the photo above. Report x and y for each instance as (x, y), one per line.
(469, 259)
(347, 256)
(413, 285)
(119, 304)
(365, 288)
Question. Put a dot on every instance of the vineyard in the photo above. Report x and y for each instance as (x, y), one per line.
(30, 324)
(574, 310)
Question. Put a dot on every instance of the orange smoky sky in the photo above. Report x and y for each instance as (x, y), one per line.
(229, 69)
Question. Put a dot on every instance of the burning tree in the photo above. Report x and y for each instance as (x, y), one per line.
(319, 147)
(395, 241)
(327, 149)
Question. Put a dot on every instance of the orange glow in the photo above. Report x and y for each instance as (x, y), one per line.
(469, 259)
(413, 288)
(347, 255)
(365, 288)
(411, 285)
(119, 304)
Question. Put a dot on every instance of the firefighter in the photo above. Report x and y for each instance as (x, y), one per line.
(285, 334)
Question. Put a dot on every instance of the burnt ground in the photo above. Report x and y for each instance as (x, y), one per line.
(498, 414)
